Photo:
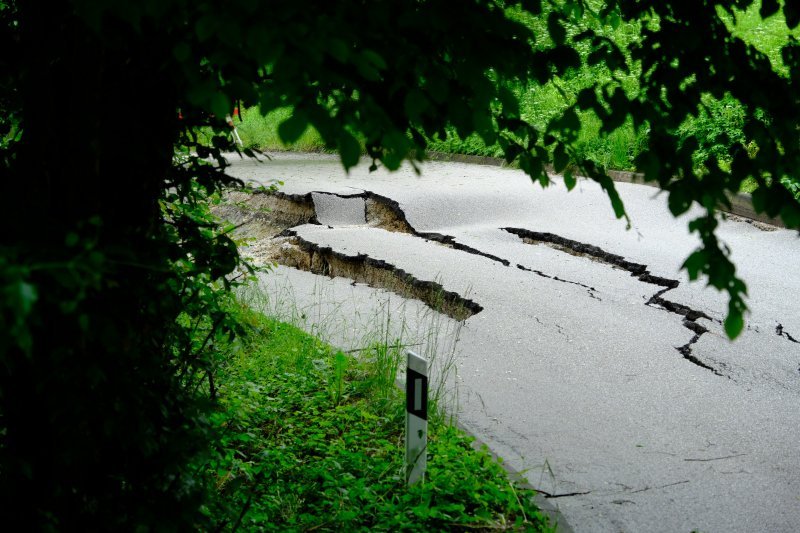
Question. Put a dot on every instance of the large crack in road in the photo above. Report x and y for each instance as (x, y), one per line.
(260, 215)
(383, 212)
(299, 253)
(277, 212)
(781, 332)
(637, 270)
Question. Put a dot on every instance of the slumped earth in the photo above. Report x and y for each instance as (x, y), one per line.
(585, 357)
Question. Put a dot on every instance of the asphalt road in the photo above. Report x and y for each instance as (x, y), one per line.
(578, 370)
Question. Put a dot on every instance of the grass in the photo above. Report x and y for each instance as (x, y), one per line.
(766, 35)
(311, 438)
(261, 132)
(382, 322)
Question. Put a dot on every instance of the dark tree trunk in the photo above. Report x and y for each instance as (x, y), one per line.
(89, 408)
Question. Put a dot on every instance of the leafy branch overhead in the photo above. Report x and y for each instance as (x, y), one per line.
(395, 75)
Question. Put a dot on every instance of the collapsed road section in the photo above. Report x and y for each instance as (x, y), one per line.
(264, 220)
(263, 214)
(385, 213)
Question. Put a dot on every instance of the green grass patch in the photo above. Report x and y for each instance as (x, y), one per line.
(261, 132)
(768, 35)
(311, 438)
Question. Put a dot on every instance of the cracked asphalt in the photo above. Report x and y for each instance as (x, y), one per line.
(593, 366)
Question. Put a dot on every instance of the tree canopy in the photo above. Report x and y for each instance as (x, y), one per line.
(109, 262)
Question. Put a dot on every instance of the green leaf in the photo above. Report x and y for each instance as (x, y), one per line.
(415, 103)
(220, 104)
(567, 124)
(648, 163)
(291, 129)
(791, 215)
(200, 94)
(616, 201)
(679, 201)
(555, 29)
(438, 88)
(791, 10)
(375, 59)
(696, 263)
(509, 101)
(349, 150)
(569, 180)
(563, 58)
(759, 200)
(25, 297)
(71, 239)
(512, 151)
(482, 122)
(734, 323)
(614, 19)
(206, 26)
(560, 158)
(369, 64)
(338, 50)
(532, 6)
(182, 52)
(587, 99)
(768, 8)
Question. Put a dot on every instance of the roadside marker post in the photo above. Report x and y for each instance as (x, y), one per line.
(416, 418)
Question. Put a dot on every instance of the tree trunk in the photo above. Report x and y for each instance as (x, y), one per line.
(90, 409)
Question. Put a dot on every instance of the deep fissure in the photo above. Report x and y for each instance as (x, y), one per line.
(637, 270)
(280, 211)
(304, 255)
(387, 213)
(265, 214)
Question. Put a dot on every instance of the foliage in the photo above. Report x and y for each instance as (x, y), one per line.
(717, 129)
(678, 71)
(312, 438)
(718, 126)
(109, 264)
(119, 441)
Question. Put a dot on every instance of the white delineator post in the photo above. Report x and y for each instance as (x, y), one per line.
(416, 418)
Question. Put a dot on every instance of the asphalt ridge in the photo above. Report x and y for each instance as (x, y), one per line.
(567, 372)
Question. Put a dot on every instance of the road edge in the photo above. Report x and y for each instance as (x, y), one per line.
(741, 203)
(556, 517)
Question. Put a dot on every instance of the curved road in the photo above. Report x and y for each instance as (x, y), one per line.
(594, 366)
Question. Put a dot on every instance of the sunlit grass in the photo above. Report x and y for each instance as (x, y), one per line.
(261, 132)
(768, 36)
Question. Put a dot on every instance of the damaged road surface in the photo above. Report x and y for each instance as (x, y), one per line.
(585, 357)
